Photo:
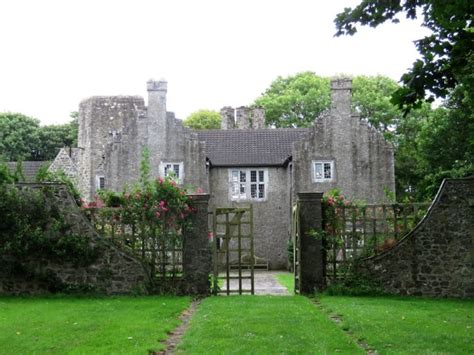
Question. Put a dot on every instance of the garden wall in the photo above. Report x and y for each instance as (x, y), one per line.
(437, 257)
(113, 272)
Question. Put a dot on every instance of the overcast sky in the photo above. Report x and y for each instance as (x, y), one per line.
(212, 53)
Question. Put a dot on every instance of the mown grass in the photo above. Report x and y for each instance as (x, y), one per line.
(287, 280)
(407, 325)
(263, 325)
(67, 325)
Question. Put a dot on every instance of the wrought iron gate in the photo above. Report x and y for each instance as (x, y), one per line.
(234, 257)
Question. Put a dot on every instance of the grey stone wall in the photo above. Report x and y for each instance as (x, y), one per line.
(437, 257)
(242, 118)
(364, 164)
(113, 131)
(117, 270)
(114, 272)
(271, 217)
(108, 131)
(66, 161)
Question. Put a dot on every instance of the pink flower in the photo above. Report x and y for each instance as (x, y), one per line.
(162, 204)
(160, 180)
(330, 201)
(157, 214)
(199, 190)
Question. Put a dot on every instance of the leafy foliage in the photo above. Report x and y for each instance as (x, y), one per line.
(33, 228)
(22, 138)
(203, 119)
(446, 54)
(295, 101)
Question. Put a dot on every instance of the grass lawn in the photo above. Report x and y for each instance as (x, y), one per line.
(407, 325)
(263, 325)
(116, 325)
(287, 280)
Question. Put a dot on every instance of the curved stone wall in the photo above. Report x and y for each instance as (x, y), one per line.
(437, 258)
(114, 272)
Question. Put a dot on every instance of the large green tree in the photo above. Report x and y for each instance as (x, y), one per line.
(296, 101)
(19, 136)
(203, 119)
(22, 137)
(447, 54)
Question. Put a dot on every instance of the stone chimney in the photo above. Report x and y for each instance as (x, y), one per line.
(157, 99)
(258, 117)
(227, 118)
(242, 117)
(341, 94)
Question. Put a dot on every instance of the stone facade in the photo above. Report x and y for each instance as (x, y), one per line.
(113, 131)
(363, 160)
(436, 258)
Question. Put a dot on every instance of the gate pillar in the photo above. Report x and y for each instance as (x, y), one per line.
(311, 246)
(197, 264)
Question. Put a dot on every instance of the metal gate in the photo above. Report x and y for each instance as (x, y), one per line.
(234, 257)
(295, 239)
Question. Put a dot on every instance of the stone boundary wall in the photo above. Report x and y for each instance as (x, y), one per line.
(436, 258)
(114, 272)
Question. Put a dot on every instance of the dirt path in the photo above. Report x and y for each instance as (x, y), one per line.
(175, 336)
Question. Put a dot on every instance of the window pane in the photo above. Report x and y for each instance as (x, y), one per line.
(261, 176)
(235, 190)
(318, 170)
(327, 170)
(235, 175)
(253, 176)
(242, 189)
(176, 170)
(101, 182)
(242, 176)
(261, 191)
(253, 190)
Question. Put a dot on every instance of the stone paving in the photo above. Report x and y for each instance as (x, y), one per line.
(266, 283)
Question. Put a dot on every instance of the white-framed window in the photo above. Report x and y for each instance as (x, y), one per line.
(248, 184)
(172, 169)
(99, 182)
(323, 170)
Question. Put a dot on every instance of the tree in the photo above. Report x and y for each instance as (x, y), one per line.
(54, 137)
(296, 101)
(203, 119)
(22, 138)
(19, 137)
(447, 58)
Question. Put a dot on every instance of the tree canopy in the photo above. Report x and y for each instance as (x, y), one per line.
(446, 54)
(203, 119)
(296, 101)
(22, 137)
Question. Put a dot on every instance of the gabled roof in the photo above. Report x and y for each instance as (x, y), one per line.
(250, 147)
(30, 168)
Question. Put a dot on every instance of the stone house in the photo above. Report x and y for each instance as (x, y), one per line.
(241, 163)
